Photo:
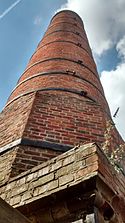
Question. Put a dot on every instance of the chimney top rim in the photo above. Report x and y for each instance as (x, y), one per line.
(64, 11)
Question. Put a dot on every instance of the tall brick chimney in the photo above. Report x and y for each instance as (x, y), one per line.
(58, 101)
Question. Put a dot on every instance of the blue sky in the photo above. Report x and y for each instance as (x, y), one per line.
(23, 22)
(21, 30)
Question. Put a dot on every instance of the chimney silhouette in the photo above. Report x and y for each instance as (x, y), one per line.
(58, 101)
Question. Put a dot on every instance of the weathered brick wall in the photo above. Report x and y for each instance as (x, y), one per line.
(115, 180)
(6, 161)
(29, 156)
(65, 119)
(22, 158)
(61, 119)
(66, 171)
(58, 173)
(13, 119)
(69, 120)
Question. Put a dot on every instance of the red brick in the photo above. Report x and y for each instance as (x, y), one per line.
(57, 116)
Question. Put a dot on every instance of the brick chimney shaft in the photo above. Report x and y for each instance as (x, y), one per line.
(58, 101)
(62, 61)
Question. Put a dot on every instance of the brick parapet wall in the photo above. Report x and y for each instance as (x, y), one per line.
(65, 171)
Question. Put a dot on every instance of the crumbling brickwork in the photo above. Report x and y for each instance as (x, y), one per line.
(58, 189)
(54, 174)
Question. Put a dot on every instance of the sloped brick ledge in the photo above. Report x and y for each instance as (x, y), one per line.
(76, 181)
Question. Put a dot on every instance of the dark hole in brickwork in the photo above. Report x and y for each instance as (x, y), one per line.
(108, 212)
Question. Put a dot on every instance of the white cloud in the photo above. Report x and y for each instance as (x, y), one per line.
(37, 21)
(104, 21)
(114, 86)
(121, 48)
